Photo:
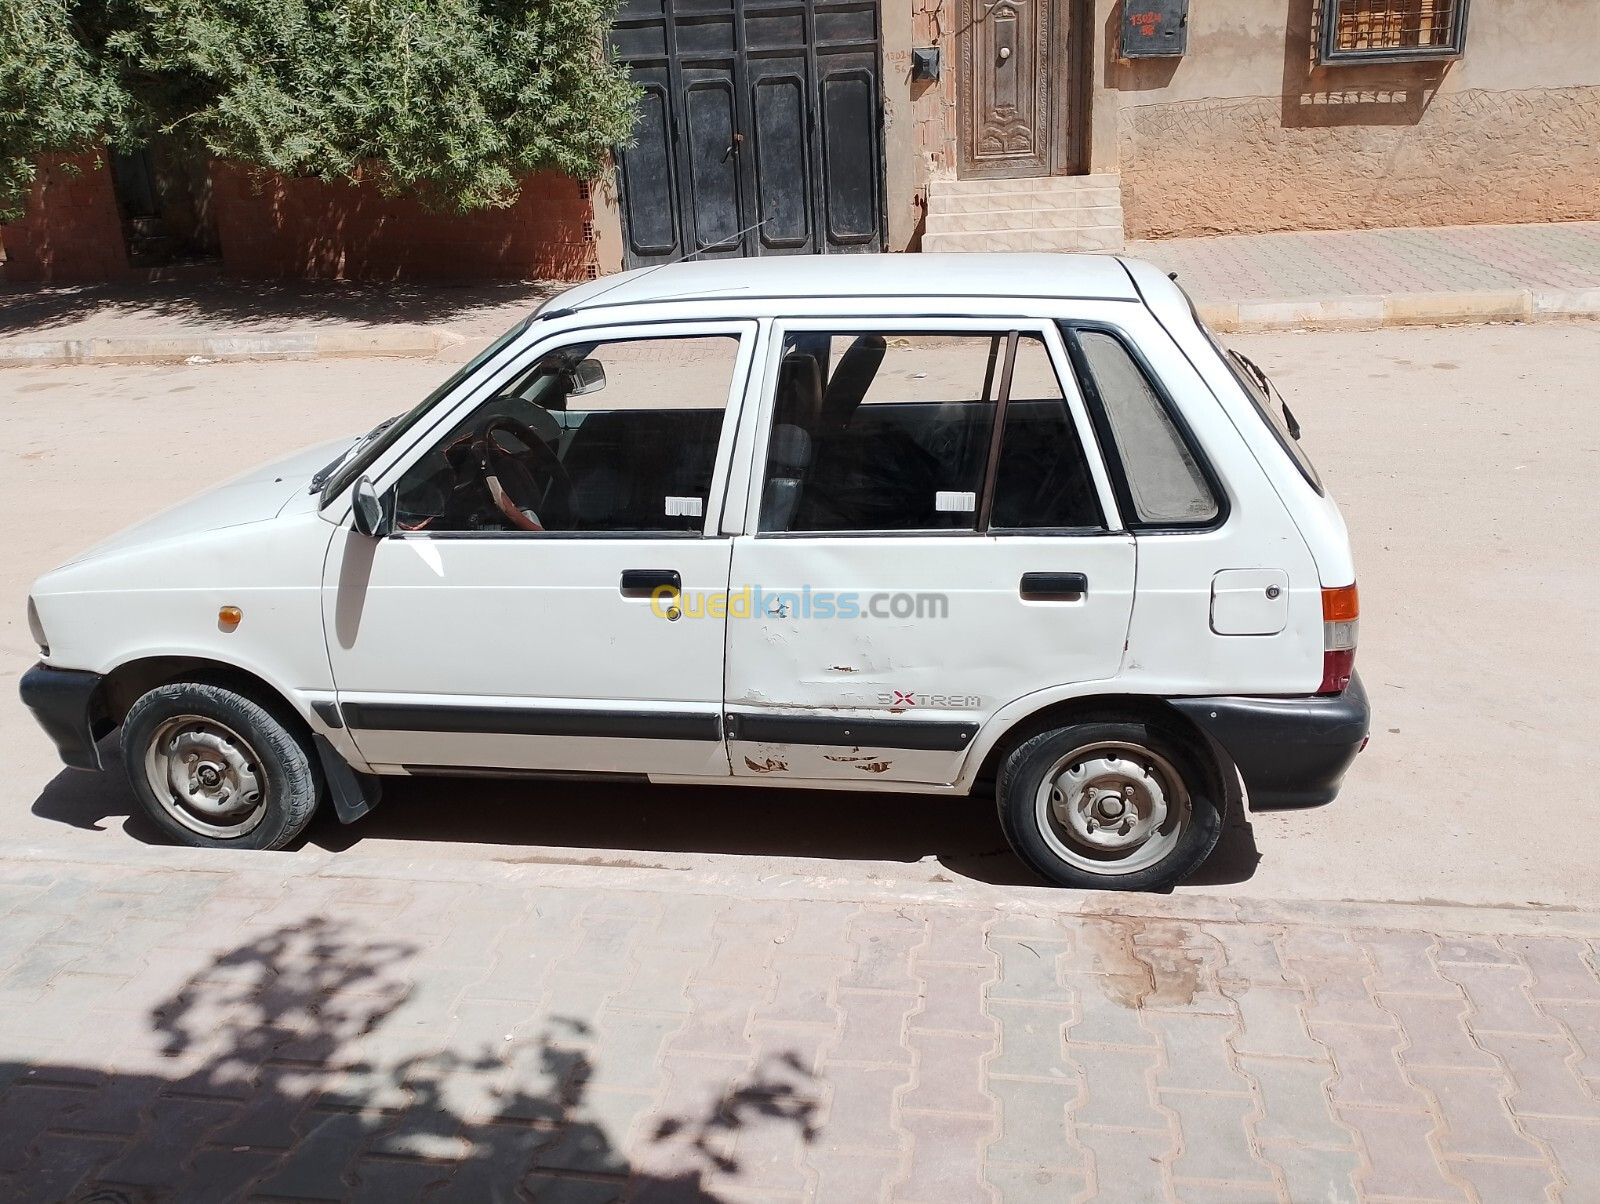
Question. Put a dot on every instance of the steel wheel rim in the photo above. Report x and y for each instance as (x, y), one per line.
(1112, 808)
(206, 776)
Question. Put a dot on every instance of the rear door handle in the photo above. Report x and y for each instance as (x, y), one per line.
(1054, 587)
(642, 583)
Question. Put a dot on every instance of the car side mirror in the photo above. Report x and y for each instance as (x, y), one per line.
(370, 515)
(586, 376)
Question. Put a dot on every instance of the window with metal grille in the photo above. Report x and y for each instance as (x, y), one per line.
(1364, 31)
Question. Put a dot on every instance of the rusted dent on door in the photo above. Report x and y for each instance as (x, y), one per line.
(770, 765)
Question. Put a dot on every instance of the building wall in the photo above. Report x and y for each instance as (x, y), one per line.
(1246, 134)
(272, 226)
(72, 232)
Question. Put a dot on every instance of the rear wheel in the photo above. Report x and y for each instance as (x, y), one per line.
(214, 768)
(1110, 806)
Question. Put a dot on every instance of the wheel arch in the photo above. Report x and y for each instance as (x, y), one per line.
(1096, 708)
(126, 683)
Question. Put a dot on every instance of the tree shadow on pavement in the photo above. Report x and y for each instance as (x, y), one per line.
(318, 1062)
(261, 306)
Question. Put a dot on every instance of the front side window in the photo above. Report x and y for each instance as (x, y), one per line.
(1164, 483)
(894, 431)
(338, 476)
(615, 436)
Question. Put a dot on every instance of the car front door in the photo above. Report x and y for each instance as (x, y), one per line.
(513, 619)
(913, 564)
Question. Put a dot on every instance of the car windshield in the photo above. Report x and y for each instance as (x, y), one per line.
(333, 480)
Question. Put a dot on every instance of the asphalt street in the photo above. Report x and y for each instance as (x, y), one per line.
(1464, 461)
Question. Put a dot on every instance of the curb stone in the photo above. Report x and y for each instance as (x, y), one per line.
(740, 881)
(416, 341)
(1399, 309)
(1309, 313)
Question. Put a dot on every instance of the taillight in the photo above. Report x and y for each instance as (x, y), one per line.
(1341, 609)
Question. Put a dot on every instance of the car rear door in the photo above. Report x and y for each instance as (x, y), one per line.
(911, 564)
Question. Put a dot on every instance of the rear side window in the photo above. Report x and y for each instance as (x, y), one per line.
(1163, 481)
(895, 431)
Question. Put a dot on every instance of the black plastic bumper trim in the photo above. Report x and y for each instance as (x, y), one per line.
(70, 707)
(1291, 752)
(835, 732)
(531, 721)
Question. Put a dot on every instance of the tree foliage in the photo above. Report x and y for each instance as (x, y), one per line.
(454, 100)
(54, 96)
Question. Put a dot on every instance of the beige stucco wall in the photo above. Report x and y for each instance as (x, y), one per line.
(1246, 134)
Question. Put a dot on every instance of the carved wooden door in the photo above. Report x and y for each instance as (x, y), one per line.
(1005, 95)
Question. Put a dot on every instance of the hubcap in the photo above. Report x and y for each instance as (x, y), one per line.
(1112, 808)
(206, 776)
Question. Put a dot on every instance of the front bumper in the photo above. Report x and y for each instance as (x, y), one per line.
(1291, 752)
(70, 705)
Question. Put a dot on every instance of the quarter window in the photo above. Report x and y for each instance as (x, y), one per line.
(605, 437)
(1165, 483)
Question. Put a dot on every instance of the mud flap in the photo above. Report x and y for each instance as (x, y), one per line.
(354, 794)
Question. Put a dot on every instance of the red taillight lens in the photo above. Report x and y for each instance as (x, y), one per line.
(1337, 666)
(1341, 610)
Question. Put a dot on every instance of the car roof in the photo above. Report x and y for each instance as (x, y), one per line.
(778, 277)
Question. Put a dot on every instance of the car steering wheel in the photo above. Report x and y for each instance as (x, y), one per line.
(522, 484)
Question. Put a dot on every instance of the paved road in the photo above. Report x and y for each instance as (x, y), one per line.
(1464, 459)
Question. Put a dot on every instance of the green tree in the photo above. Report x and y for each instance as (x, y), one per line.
(453, 100)
(54, 97)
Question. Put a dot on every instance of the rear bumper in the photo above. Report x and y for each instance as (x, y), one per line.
(69, 705)
(1291, 752)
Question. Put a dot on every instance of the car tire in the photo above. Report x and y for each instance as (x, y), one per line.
(215, 768)
(1111, 805)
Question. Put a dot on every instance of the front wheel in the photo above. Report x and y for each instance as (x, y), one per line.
(1110, 806)
(216, 769)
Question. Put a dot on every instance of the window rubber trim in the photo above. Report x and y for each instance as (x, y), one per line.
(1111, 454)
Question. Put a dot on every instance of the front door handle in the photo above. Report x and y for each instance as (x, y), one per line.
(1054, 587)
(643, 583)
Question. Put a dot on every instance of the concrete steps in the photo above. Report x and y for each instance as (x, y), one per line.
(1048, 213)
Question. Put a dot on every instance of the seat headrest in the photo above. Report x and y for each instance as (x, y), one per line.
(799, 400)
(857, 369)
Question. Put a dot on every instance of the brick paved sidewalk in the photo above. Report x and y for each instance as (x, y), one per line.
(584, 1034)
(1364, 278)
(1562, 256)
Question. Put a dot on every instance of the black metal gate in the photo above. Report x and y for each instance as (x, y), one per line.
(759, 132)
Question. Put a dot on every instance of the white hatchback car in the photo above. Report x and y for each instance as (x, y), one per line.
(916, 523)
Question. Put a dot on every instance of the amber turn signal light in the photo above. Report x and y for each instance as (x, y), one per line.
(1340, 605)
(228, 617)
